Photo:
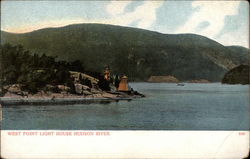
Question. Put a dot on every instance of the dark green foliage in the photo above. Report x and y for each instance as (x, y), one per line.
(70, 84)
(32, 71)
(76, 66)
(238, 75)
(104, 84)
(239, 55)
(135, 52)
(88, 83)
(94, 74)
(117, 81)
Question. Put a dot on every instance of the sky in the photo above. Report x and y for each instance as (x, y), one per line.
(226, 22)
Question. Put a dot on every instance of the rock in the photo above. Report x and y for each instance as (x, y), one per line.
(16, 89)
(170, 79)
(85, 92)
(79, 88)
(94, 96)
(76, 76)
(108, 95)
(237, 75)
(138, 94)
(123, 95)
(95, 91)
(63, 88)
(112, 88)
(84, 87)
(11, 95)
(23, 93)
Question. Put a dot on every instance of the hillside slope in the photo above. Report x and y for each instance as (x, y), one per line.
(237, 75)
(136, 52)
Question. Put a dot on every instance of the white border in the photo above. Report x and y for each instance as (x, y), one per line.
(127, 144)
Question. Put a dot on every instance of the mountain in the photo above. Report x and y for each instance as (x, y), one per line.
(239, 54)
(237, 75)
(135, 52)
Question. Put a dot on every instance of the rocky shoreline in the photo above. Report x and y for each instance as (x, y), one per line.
(15, 96)
(65, 99)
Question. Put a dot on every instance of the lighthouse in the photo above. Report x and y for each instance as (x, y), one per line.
(123, 85)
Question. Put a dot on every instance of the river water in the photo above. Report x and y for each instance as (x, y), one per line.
(212, 106)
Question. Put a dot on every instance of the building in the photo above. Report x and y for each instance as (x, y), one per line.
(123, 85)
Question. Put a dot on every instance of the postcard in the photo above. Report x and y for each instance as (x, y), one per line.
(124, 79)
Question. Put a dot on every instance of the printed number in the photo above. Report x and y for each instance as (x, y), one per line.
(242, 133)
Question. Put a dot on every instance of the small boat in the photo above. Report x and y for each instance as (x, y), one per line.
(180, 84)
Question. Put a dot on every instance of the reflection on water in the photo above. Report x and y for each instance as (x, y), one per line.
(166, 107)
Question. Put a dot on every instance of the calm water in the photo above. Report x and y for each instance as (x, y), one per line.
(166, 107)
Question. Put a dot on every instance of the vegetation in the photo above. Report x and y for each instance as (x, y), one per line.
(33, 72)
(135, 52)
(238, 75)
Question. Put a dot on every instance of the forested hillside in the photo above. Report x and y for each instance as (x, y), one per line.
(34, 72)
(135, 52)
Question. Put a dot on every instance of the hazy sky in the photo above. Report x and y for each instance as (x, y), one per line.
(224, 21)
